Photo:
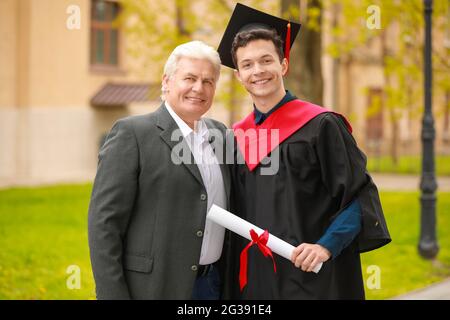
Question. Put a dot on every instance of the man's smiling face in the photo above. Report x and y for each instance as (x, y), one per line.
(260, 69)
(190, 90)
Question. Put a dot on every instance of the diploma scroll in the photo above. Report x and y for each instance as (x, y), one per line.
(242, 228)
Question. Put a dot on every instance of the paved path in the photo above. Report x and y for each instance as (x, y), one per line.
(392, 182)
(438, 291)
(389, 182)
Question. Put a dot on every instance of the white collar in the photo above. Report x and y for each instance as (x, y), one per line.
(202, 129)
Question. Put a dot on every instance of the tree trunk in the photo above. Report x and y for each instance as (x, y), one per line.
(336, 63)
(305, 69)
(180, 18)
(392, 116)
(446, 135)
(233, 106)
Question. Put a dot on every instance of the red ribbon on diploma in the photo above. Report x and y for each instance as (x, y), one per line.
(261, 241)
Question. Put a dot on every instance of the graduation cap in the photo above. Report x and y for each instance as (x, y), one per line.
(246, 18)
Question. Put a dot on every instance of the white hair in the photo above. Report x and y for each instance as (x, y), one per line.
(195, 50)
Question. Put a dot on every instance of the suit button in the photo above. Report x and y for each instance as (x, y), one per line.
(194, 268)
(199, 233)
(203, 197)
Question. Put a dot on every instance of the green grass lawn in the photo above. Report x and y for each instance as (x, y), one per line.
(407, 165)
(402, 269)
(43, 231)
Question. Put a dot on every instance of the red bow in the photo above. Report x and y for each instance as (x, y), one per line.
(261, 241)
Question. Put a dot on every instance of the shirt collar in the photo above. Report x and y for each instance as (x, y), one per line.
(201, 128)
(260, 116)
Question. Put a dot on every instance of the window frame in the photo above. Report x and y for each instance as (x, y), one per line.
(107, 27)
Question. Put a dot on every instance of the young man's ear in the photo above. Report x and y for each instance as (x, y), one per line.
(237, 75)
(284, 66)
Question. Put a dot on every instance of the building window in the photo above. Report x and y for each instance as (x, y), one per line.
(104, 35)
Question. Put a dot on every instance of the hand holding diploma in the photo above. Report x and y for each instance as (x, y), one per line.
(309, 256)
(242, 228)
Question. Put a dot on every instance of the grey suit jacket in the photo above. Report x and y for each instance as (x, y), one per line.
(145, 211)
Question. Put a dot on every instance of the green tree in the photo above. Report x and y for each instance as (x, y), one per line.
(401, 51)
(154, 28)
(305, 70)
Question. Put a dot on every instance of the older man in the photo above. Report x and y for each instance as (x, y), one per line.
(157, 177)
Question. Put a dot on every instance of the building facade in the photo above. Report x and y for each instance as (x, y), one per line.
(66, 77)
(59, 62)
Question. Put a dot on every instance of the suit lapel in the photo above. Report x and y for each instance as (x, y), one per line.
(168, 126)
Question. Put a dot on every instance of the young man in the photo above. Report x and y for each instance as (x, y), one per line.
(304, 178)
(148, 233)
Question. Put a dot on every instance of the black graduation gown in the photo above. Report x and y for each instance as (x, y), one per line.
(320, 171)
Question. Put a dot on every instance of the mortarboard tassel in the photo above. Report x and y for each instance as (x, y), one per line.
(287, 44)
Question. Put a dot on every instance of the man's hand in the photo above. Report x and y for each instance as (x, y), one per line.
(308, 255)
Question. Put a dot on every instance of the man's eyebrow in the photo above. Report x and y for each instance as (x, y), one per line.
(196, 76)
(262, 57)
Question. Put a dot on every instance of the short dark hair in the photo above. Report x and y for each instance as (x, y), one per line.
(243, 38)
